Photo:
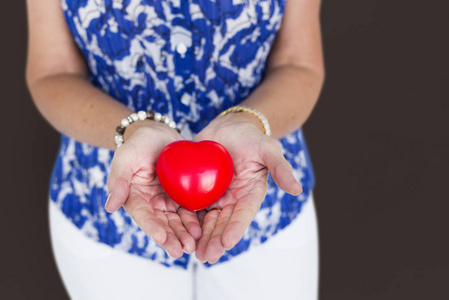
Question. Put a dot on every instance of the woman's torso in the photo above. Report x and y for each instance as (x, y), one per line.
(190, 60)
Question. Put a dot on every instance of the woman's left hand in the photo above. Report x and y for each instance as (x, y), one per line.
(254, 155)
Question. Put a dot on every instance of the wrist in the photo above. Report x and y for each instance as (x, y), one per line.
(241, 118)
(253, 113)
(144, 120)
(139, 126)
(151, 134)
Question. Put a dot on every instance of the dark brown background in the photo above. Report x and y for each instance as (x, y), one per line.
(379, 140)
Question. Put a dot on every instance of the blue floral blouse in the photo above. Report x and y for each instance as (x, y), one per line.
(189, 60)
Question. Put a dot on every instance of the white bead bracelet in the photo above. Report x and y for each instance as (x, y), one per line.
(140, 116)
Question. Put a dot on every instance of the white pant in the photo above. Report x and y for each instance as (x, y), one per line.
(285, 267)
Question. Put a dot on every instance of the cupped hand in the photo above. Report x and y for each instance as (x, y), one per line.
(133, 183)
(254, 155)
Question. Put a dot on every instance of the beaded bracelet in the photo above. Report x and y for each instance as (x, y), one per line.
(257, 114)
(140, 116)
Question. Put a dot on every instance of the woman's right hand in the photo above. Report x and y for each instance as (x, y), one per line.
(133, 183)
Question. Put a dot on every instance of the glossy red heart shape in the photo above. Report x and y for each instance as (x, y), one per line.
(195, 174)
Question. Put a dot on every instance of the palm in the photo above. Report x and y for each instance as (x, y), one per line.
(146, 192)
(249, 182)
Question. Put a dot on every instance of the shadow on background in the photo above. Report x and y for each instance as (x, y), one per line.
(379, 139)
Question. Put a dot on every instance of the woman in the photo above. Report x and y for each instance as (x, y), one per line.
(93, 64)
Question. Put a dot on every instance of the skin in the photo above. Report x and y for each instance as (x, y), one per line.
(57, 78)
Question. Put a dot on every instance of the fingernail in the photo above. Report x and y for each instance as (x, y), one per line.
(203, 262)
(107, 200)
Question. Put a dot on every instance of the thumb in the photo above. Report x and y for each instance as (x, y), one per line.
(119, 179)
(280, 169)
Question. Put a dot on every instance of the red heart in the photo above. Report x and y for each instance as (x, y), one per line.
(195, 175)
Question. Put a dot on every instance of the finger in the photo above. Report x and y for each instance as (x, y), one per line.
(154, 223)
(119, 178)
(186, 239)
(280, 169)
(190, 221)
(209, 223)
(242, 216)
(172, 243)
(215, 247)
(146, 219)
